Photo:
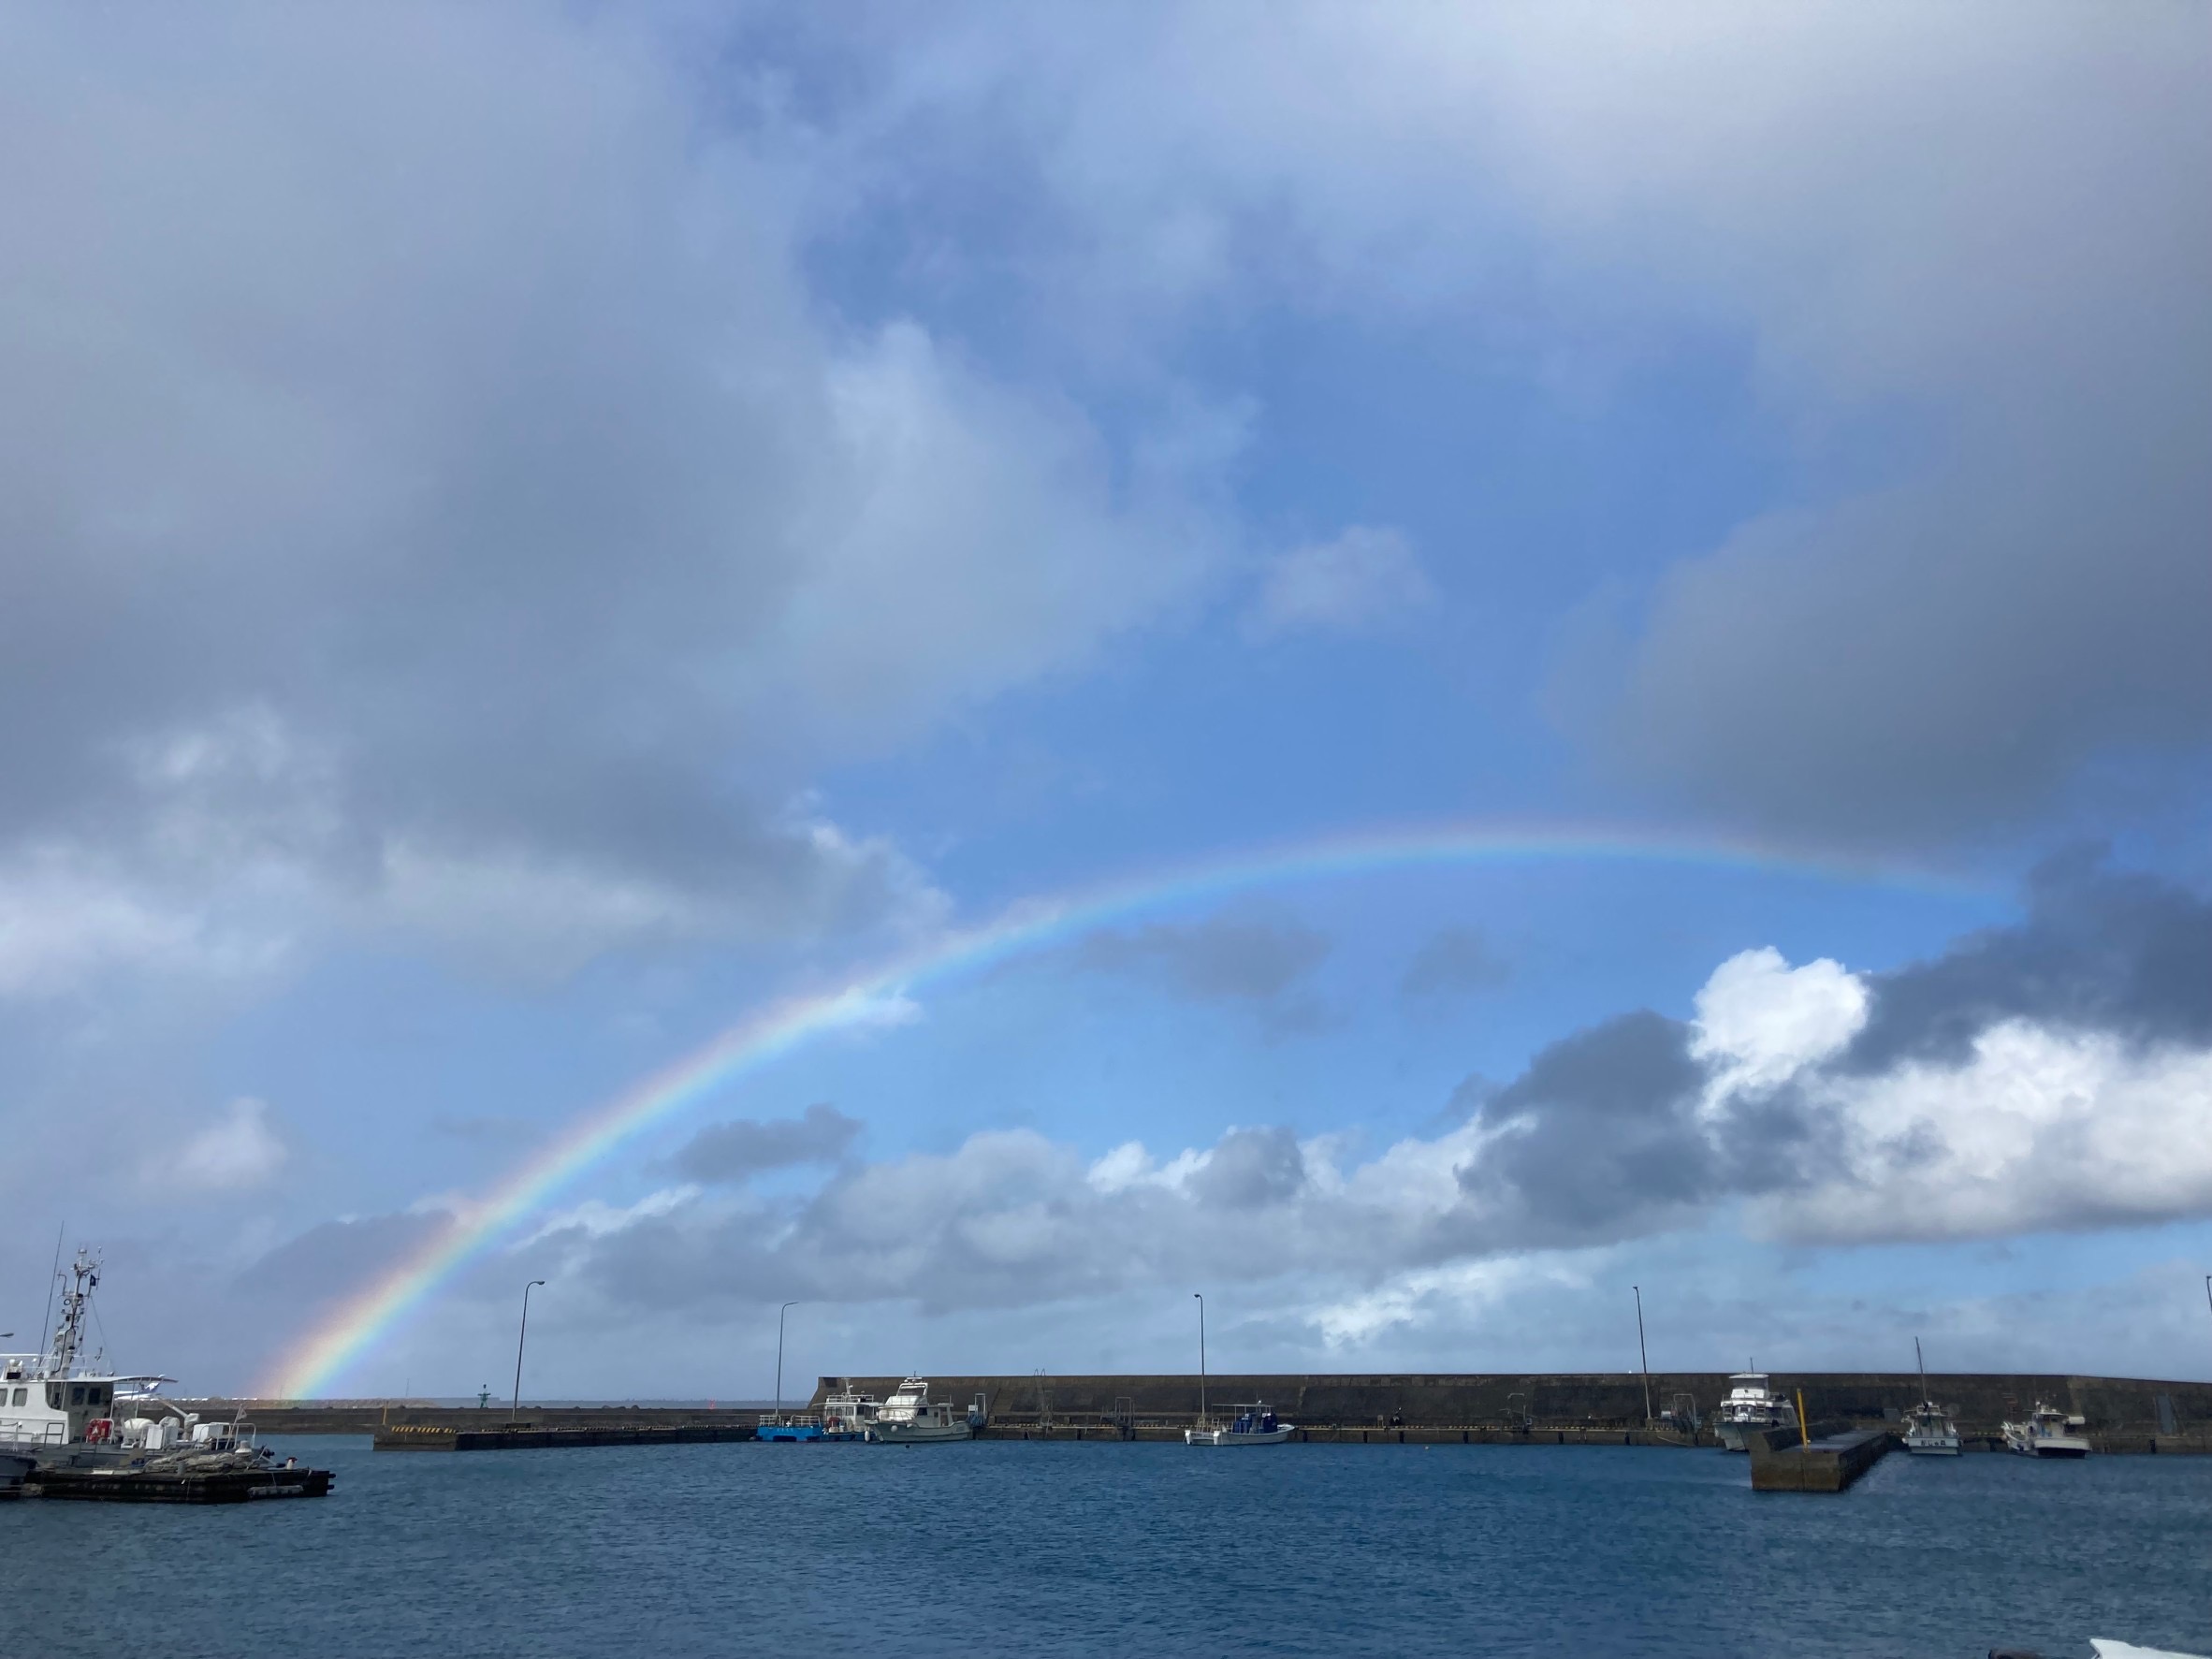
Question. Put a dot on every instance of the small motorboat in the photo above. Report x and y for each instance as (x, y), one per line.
(912, 1418)
(1253, 1425)
(2048, 1432)
(1750, 1405)
(1930, 1432)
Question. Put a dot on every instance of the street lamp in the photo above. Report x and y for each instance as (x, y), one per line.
(779, 1313)
(1202, 1301)
(1642, 1353)
(520, 1337)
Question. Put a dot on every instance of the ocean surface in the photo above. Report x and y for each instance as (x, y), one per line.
(1004, 1546)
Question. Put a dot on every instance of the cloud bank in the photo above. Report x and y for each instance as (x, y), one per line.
(2055, 1074)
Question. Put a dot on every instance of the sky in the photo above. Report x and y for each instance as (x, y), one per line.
(977, 667)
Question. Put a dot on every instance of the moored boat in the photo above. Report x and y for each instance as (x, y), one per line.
(87, 1432)
(2048, 1432)
(847, 1415)
(1253, 1425)
(1750, 1405)
(912, 1418)
(1930, 1430)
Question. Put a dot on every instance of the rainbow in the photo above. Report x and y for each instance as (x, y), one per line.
(770, 1032)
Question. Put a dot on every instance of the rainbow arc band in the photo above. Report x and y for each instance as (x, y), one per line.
(777, 1029)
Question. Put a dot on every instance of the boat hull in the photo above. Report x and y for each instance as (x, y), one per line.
(1938, 1446)
(922, 1434)
(2068, 1448)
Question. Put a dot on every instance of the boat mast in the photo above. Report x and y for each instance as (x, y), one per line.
(68, 1336)
(54, 1278)
(1922, 1360)
(1202, 1301)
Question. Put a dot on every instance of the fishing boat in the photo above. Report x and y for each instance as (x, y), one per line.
(1750, 1405)
(87, 1432)
(1253, 1425)
(912, 1418)
(1930, 1432)
(847, 1415)
(2048, 1432)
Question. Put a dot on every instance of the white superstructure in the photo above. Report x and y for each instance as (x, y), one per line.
(1750, 1405)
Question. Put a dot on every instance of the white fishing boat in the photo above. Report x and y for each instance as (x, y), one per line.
(1253, 1425)
(912, 1418)
(1930, 1432)
(1750, 1405)
(62, 1409)
(2048, 1432)
(847, 1415)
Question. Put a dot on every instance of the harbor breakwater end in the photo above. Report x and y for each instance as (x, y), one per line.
(1826, 1457)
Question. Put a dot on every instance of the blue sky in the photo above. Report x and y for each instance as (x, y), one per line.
(533, 532)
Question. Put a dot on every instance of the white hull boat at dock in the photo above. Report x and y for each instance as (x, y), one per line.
(1750, 1405)
(1930, 1432)
(2048, 1432)
(911, 1418)
(1254, 1425)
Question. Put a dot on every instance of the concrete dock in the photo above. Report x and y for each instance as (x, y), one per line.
(1826, 1457)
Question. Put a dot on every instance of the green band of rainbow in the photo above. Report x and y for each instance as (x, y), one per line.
(770, 1032)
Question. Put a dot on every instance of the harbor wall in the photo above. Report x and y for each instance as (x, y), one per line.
(2117, 1408)
(2125, 1414)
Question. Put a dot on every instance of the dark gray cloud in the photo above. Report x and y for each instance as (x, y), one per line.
(1252, 1168)
(1227, 957)
(1600, 1138)
(470, 521)
(1453, 962)
(335, 1257)
(736, 1150)
(2115, 951)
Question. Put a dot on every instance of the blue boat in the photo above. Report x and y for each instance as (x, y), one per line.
(788, 1428)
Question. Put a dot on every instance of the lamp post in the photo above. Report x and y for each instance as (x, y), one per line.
(779, 1313)
(520, 1337)
(1202, 1301)
(1641, 1353)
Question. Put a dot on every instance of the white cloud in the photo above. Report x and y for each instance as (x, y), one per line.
(2038, 1128)
(1366, 579)
(239, 1151)
(1761, 1021)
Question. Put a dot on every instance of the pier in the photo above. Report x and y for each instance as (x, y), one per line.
(1825, 1457)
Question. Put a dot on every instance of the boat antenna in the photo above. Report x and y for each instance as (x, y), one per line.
(46, 1320)
(1923, 1359)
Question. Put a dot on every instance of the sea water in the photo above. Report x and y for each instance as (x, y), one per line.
(1009, 1546)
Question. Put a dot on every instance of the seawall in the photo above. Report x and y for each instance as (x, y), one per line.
(2125, 1414)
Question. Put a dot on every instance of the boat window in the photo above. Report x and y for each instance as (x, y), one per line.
(53, 1396)
(77, 1394)
(23, 1396)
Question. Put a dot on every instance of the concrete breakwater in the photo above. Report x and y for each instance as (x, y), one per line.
(2124, 1414)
